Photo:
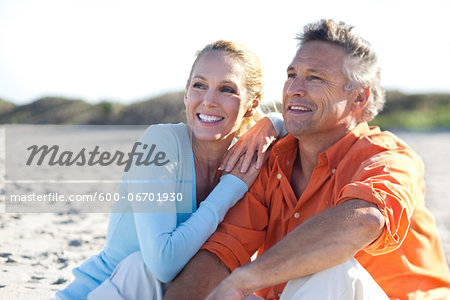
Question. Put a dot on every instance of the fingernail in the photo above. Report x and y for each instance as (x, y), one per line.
(220, 168)
(228, 169)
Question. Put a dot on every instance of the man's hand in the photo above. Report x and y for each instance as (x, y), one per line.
(223, 292)
(237, 286)
(254, 142)
(325, 240)
(199, 277)
(227, 290)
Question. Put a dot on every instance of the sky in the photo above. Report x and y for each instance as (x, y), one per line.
(131, 50)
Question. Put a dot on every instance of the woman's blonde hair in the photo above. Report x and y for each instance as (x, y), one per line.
(252, 72)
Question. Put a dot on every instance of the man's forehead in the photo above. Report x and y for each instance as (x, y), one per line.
(319, 55)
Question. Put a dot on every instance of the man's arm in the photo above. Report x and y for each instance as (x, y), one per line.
(199, 277)
(323, 241)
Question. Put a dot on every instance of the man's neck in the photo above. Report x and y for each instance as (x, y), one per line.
(311, 146)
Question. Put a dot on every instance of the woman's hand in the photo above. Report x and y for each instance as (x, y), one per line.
(253, 143)
(247, 177)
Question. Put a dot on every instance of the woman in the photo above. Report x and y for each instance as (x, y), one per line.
(185, 201)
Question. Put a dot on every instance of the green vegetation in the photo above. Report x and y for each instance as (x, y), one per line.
(6, 106)
(402, 111)
(415, 112)
(168, 108)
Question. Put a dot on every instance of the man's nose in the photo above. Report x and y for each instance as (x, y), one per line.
(296, 87)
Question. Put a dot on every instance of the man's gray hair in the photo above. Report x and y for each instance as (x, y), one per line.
(360, 67)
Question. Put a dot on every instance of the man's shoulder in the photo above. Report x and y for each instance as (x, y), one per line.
(384, 139)
(380, 145)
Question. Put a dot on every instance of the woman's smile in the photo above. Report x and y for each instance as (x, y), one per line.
(209, 119)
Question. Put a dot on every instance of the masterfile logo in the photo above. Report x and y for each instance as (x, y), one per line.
(91, 158)
(84, 168)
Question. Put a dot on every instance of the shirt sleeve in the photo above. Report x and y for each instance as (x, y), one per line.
(278, 123)
(243, 230)
(166, 246)
(393, 180)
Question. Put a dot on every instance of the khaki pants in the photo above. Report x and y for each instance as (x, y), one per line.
(131, 280)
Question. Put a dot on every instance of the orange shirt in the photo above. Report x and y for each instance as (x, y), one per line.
(407, 260)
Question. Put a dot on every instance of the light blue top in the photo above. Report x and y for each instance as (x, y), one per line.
(168, 233)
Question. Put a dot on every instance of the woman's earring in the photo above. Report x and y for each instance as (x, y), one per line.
(249, 112)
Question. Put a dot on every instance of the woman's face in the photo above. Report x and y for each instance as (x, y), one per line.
(216, 98)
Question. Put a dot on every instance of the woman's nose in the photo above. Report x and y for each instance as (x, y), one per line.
(209, 100)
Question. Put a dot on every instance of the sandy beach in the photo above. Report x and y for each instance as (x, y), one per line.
(39, 250)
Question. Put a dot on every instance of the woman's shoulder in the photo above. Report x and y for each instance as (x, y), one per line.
(163, 145)
(165, 132)
(172, 139)
(165, 128)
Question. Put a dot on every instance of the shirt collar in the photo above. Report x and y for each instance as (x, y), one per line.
(336, 152)
(287, 145)
(333, 155)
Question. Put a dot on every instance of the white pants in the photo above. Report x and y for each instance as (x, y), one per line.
(345, 281)
(131, 280)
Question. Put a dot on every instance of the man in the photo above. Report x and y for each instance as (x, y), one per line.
(333, 189)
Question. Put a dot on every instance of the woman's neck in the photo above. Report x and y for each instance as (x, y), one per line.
(207, 158)
(209, 154)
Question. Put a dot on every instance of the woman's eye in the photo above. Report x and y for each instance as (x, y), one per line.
(198, 85)
(227, 89)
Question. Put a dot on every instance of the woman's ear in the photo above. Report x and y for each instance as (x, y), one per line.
(253, 107)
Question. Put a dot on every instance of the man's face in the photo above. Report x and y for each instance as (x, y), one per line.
(314, 98)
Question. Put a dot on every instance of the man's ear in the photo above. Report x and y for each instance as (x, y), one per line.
(361, 99)
(252, 108)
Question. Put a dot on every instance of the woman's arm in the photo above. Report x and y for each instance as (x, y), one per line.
(167, 246)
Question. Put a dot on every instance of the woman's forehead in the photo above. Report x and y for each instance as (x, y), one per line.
(219, 64)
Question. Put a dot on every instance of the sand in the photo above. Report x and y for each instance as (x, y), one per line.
(39, 250)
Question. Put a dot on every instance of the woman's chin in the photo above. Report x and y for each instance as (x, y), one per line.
(211, 136)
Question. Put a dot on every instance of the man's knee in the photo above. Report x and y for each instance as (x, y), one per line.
(348, 280)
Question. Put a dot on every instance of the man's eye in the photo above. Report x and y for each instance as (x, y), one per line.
(291, 75)
(312, 77)
(227, 89)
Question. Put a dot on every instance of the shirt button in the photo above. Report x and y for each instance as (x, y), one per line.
(297, 215)
(333, 171)
(279, 295)
(287, 163)
(279, 176)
